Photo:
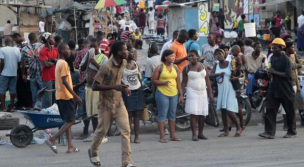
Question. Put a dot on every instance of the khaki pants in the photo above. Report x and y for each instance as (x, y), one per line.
(122, 121)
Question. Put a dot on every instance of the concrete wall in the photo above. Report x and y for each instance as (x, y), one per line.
(7, 14)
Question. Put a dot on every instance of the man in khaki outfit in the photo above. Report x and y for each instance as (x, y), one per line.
(108, 81)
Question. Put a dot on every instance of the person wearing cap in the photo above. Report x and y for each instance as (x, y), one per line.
(226, 100)
(280, 91)
(48, 56)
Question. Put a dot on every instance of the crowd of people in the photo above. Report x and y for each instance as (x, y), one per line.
(101, 76)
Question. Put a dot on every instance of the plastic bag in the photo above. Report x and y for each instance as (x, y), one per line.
(212, 119)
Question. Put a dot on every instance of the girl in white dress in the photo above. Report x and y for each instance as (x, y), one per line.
(197, 83)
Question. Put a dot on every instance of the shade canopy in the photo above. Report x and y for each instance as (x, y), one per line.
(108, 3)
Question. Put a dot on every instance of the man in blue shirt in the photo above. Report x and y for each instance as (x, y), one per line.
(191, 43)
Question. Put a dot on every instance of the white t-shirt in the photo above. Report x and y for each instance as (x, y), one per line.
(41, 26)
(300, 20)
(166, 46)
(130, 78)
(151, 64)
(8, 29)
(122, 23)
(151, 15)
(229, 57)
(11, 56)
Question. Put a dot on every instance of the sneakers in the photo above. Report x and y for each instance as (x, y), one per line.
(90, 138)
(266, 135)
(104, 140)
(289, 136)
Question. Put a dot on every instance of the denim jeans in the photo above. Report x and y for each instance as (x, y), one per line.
(48, 97)
(36, 85)
(81, 109)
(166, 106)
(250, 84)
(75, 77)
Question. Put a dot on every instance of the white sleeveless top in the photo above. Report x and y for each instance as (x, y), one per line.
(130, 78)
(196, 81)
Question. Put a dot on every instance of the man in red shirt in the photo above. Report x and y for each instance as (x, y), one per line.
(104, 43)
(48, 56)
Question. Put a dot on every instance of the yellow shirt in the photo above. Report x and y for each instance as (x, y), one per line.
(62, 69)
(171, 89)
(137, 36)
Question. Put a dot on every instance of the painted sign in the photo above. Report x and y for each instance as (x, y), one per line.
(232, 9)
(203, 19)
(216, 7)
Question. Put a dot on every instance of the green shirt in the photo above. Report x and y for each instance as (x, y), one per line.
(241, 24)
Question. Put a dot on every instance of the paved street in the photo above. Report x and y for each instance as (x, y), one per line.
(248, 150)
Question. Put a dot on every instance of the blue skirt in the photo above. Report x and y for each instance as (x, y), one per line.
(135, 102)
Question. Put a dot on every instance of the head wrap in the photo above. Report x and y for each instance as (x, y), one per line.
(46, 35)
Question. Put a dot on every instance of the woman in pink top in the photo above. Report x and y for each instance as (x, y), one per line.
(160, 25)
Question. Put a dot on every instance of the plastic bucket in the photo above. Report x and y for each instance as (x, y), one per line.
(250, 30)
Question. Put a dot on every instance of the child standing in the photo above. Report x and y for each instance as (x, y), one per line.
(109, 82)
(65, 97)
(236, 64)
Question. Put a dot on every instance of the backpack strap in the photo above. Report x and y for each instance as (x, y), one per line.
(175, 67)
(188, 48)
(161, 68)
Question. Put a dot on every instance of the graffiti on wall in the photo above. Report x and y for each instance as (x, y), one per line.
(203, 19)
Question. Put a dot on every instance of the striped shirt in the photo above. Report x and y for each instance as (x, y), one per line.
(80, 54)
(125, 36)
(30, 54)
(104, 47)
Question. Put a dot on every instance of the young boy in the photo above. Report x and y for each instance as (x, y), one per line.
(91, 64)
(109, 82)
(236, 64)
(65, 97)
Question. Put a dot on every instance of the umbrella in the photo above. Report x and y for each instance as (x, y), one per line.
(108, 3)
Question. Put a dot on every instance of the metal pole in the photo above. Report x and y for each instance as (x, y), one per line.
(75, 22)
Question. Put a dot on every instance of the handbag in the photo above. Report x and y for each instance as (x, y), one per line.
(212, 119)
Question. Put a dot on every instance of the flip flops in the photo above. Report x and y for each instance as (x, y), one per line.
(163, 141)
(175, 139)
(52, 147)
(76, 150)
(94, 160)
(238, 133)
(223, 135)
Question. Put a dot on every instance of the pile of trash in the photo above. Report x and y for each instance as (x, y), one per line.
(53, 110)
(5, 115)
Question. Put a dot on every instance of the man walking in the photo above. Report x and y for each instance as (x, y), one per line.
(280, 91)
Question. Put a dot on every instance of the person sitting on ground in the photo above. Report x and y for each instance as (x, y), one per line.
(197, 100)
(66, 99)
(125, 35)
(9, 58)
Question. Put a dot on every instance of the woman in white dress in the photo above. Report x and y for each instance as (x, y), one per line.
(197, 83)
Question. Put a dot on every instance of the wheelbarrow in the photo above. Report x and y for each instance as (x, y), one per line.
(22, 135)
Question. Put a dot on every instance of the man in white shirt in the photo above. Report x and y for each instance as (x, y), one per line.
(153, 61)
(208, 51)
(301, 19)
(41, 26)
(121, 23)
(8, 28)
(168, 44)
(9, 58)
(151, 20)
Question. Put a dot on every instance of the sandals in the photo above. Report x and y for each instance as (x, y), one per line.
(163, 141)
(223, 135)
(175, 139)
(202, 137)
(94, 160)
(238, 133)
(194, 138)
(76, 150)
(52, 147)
